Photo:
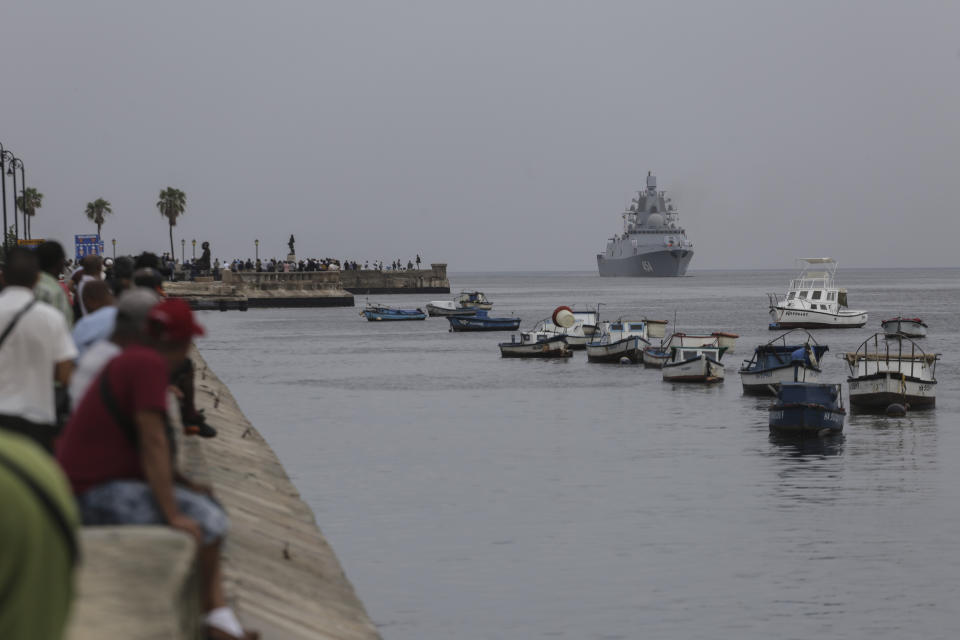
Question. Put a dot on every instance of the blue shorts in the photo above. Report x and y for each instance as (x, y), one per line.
(132, 502)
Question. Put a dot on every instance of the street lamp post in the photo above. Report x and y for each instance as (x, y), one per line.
(12, 170)
(114, 243)
(194, 242)
(183, 248)
(256, 248)
(23, 186)
(3, 182)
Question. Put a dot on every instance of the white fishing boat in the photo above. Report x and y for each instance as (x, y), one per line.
(555, 347)
(891, 371)
(909, 327)
(694, 364)
(474, 300)
(617, 340)
(444, 308)
(578, 334)
(814, 301)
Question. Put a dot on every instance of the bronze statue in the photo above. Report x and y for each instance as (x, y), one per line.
(290, 244)
(204, 262)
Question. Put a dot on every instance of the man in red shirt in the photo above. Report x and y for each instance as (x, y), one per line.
(117, 453)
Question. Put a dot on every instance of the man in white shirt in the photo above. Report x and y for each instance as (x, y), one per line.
(35, 350)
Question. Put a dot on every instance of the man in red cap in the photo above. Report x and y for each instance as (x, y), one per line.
(117, 452)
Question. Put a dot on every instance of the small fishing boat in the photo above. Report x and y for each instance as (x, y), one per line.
(696, 363)
(555, 347)
(480, 321)
(783, 359)
(814, 301)
(655, 356)
(444, 308)
(891, 371)
(578, 327)
(808, 408)
(474, 300)
(909, 327)
(618, 340)
(378, 312)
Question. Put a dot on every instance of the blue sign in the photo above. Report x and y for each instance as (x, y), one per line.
(88, 245)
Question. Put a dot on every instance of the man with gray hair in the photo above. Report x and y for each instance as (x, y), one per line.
(130, 327)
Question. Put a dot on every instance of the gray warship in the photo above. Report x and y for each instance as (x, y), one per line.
(653, 244)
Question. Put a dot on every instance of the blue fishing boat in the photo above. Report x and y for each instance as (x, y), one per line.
(783, 359)
(482, 322)
(377, 312)
(808, 408)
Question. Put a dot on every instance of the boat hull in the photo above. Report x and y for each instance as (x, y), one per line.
(908, 328)
(545, 349)
(655, 359)
(440, 312)
(806, 419)
(374, 316)
(766, 381)
(631, 348)
(472, 323)
(698, 369)
(878, 391)
(784, 318)
(654, 264)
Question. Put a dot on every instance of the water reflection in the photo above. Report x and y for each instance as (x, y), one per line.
(795, 446)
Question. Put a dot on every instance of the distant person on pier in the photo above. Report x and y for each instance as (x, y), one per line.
(98, 323)
(117, 453)
(49, 288)
(91, 269)
(123, 268)
(36, 351)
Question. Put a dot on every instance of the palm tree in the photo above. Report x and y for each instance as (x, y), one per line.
(28, 203)
(171, 204)
(96, 211)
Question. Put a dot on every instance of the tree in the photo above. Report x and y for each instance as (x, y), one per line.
(171, 204)
(96, 212)
(28, 203)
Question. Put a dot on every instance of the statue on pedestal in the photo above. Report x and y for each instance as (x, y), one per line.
(204, 262)
(290, 244)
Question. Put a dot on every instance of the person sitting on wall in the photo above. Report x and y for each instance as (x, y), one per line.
(117, 453)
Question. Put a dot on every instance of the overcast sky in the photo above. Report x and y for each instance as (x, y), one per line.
(493, 135)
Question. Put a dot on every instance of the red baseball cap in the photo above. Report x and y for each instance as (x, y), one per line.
(172, 321)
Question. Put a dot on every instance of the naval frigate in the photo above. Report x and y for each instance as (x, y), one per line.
(653, 244)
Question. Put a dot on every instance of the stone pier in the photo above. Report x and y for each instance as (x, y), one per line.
(369, 281)
(248, 289)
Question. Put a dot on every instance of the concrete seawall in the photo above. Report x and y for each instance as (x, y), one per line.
(282, 576)
(248, 289)
(368, 281)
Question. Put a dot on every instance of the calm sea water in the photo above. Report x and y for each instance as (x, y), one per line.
(469, 496)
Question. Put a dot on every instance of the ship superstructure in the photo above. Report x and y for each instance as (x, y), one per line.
(653, 244)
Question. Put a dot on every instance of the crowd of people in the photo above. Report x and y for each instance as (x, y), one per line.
(94, 380)
(313, 264)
